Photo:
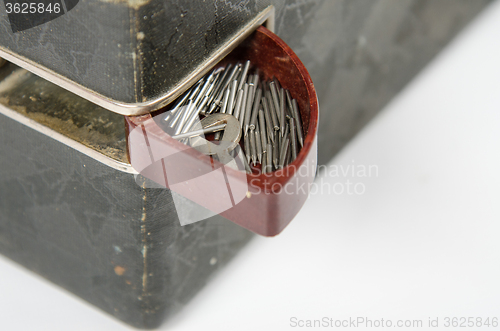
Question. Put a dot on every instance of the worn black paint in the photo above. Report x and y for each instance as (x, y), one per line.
(74, 220)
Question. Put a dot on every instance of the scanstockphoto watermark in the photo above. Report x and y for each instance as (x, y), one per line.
(464, 322)
(355, 322)
(336, 179)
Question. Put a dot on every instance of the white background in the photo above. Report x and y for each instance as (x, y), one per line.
(422, 241)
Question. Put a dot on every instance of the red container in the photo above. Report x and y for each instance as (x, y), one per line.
(262, 203)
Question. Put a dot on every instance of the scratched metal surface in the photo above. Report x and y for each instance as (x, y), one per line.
(94, 231)
(131, 51)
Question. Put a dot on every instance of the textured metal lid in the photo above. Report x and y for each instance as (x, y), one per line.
(132, 57)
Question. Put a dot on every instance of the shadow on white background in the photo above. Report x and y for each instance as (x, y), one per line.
(422, 241)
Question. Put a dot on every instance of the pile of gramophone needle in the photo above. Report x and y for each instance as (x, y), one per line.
(269, 117)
